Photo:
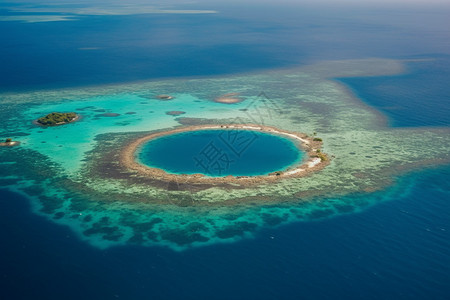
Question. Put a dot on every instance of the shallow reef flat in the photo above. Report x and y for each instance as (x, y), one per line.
(74, 175)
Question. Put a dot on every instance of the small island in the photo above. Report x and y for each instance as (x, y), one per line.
(229, 98)
(9, 143)
(57, 118)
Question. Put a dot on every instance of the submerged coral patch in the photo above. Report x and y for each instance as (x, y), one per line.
(175, 112)
(108, 115)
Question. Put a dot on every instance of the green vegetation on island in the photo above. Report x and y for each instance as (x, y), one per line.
(56, 118)
(320, 155)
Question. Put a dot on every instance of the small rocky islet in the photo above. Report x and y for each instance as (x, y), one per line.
(9, 143)
(57, 118)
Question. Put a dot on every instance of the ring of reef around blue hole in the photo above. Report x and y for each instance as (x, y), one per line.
(314, 159)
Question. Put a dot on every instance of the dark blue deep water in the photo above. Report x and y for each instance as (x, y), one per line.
(421, 97)
(394, 250)
(398, 249)
(220, 153)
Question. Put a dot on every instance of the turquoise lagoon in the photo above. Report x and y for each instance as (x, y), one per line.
(236, 152)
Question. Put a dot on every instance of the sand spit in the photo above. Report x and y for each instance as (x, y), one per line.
(10, 144)
(229, 98)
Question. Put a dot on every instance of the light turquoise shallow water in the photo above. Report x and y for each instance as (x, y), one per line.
(136, 111)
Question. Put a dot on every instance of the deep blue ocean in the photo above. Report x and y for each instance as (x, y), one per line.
(398, 249)
(419, 98)
(394, 250)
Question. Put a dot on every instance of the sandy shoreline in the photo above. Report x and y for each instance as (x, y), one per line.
(229, 98)
(9, 144)
(310, 164)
